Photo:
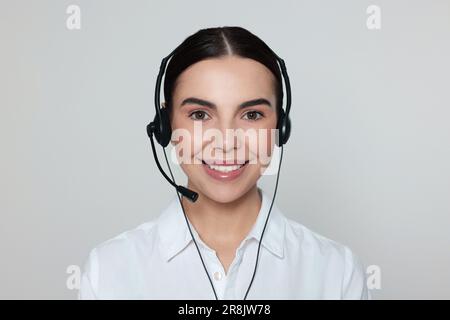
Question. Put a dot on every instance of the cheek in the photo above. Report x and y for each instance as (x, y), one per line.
(261, 146)
(188, 145)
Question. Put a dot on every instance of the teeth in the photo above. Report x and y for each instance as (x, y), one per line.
(225, 168)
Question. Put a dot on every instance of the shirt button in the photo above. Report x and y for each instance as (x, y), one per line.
(217, 275)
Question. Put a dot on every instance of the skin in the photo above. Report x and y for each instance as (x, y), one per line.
(225, 212)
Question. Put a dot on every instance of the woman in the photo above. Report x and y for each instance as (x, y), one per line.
(222, 79)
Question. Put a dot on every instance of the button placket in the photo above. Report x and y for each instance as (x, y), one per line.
(236, 261)
(219, 271)
(218, 274)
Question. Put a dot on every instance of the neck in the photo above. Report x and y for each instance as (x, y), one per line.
(223, 224)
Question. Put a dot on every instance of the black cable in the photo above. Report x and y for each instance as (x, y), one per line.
(158, 164)
(193, 195)
(262, 234)
(267, 219)
(189, 227)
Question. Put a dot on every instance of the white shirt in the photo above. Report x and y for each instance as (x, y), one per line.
(159, 260)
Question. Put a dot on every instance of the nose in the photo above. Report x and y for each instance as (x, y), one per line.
(230, 138)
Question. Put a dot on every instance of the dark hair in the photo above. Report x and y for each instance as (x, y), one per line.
(215, 43)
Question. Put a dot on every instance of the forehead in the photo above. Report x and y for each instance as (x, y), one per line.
(225, 77)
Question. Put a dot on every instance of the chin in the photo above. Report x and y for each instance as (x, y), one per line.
(225, 193)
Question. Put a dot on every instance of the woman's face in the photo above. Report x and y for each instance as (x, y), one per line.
(214, 121)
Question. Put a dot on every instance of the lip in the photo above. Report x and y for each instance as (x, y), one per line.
(224, 162)
(224, 176)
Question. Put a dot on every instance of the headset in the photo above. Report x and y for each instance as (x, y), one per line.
(160, 128)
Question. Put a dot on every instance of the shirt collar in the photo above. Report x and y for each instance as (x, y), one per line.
(174, 234)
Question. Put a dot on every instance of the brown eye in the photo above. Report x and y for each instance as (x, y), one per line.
(198, 115)
(253, 115)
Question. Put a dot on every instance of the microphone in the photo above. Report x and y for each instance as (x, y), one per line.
(191, 195)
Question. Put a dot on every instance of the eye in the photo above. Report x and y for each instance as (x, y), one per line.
(198, 115)
(254, 115)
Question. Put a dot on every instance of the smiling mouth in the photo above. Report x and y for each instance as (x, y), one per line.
(225, 168)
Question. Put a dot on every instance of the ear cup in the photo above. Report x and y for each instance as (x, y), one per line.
(287, 130)
(163, 132)
(284, 128)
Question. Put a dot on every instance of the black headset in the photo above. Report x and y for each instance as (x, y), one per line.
(161, 122)
(160, 127)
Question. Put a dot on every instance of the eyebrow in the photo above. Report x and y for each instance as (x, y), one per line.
(205, 103)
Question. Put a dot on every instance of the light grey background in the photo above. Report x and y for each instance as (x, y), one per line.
(367, 164)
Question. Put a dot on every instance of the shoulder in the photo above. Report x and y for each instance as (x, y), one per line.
(133, 237)
(311, 241)
(127, 243)
(332, 258)
(116, 256)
